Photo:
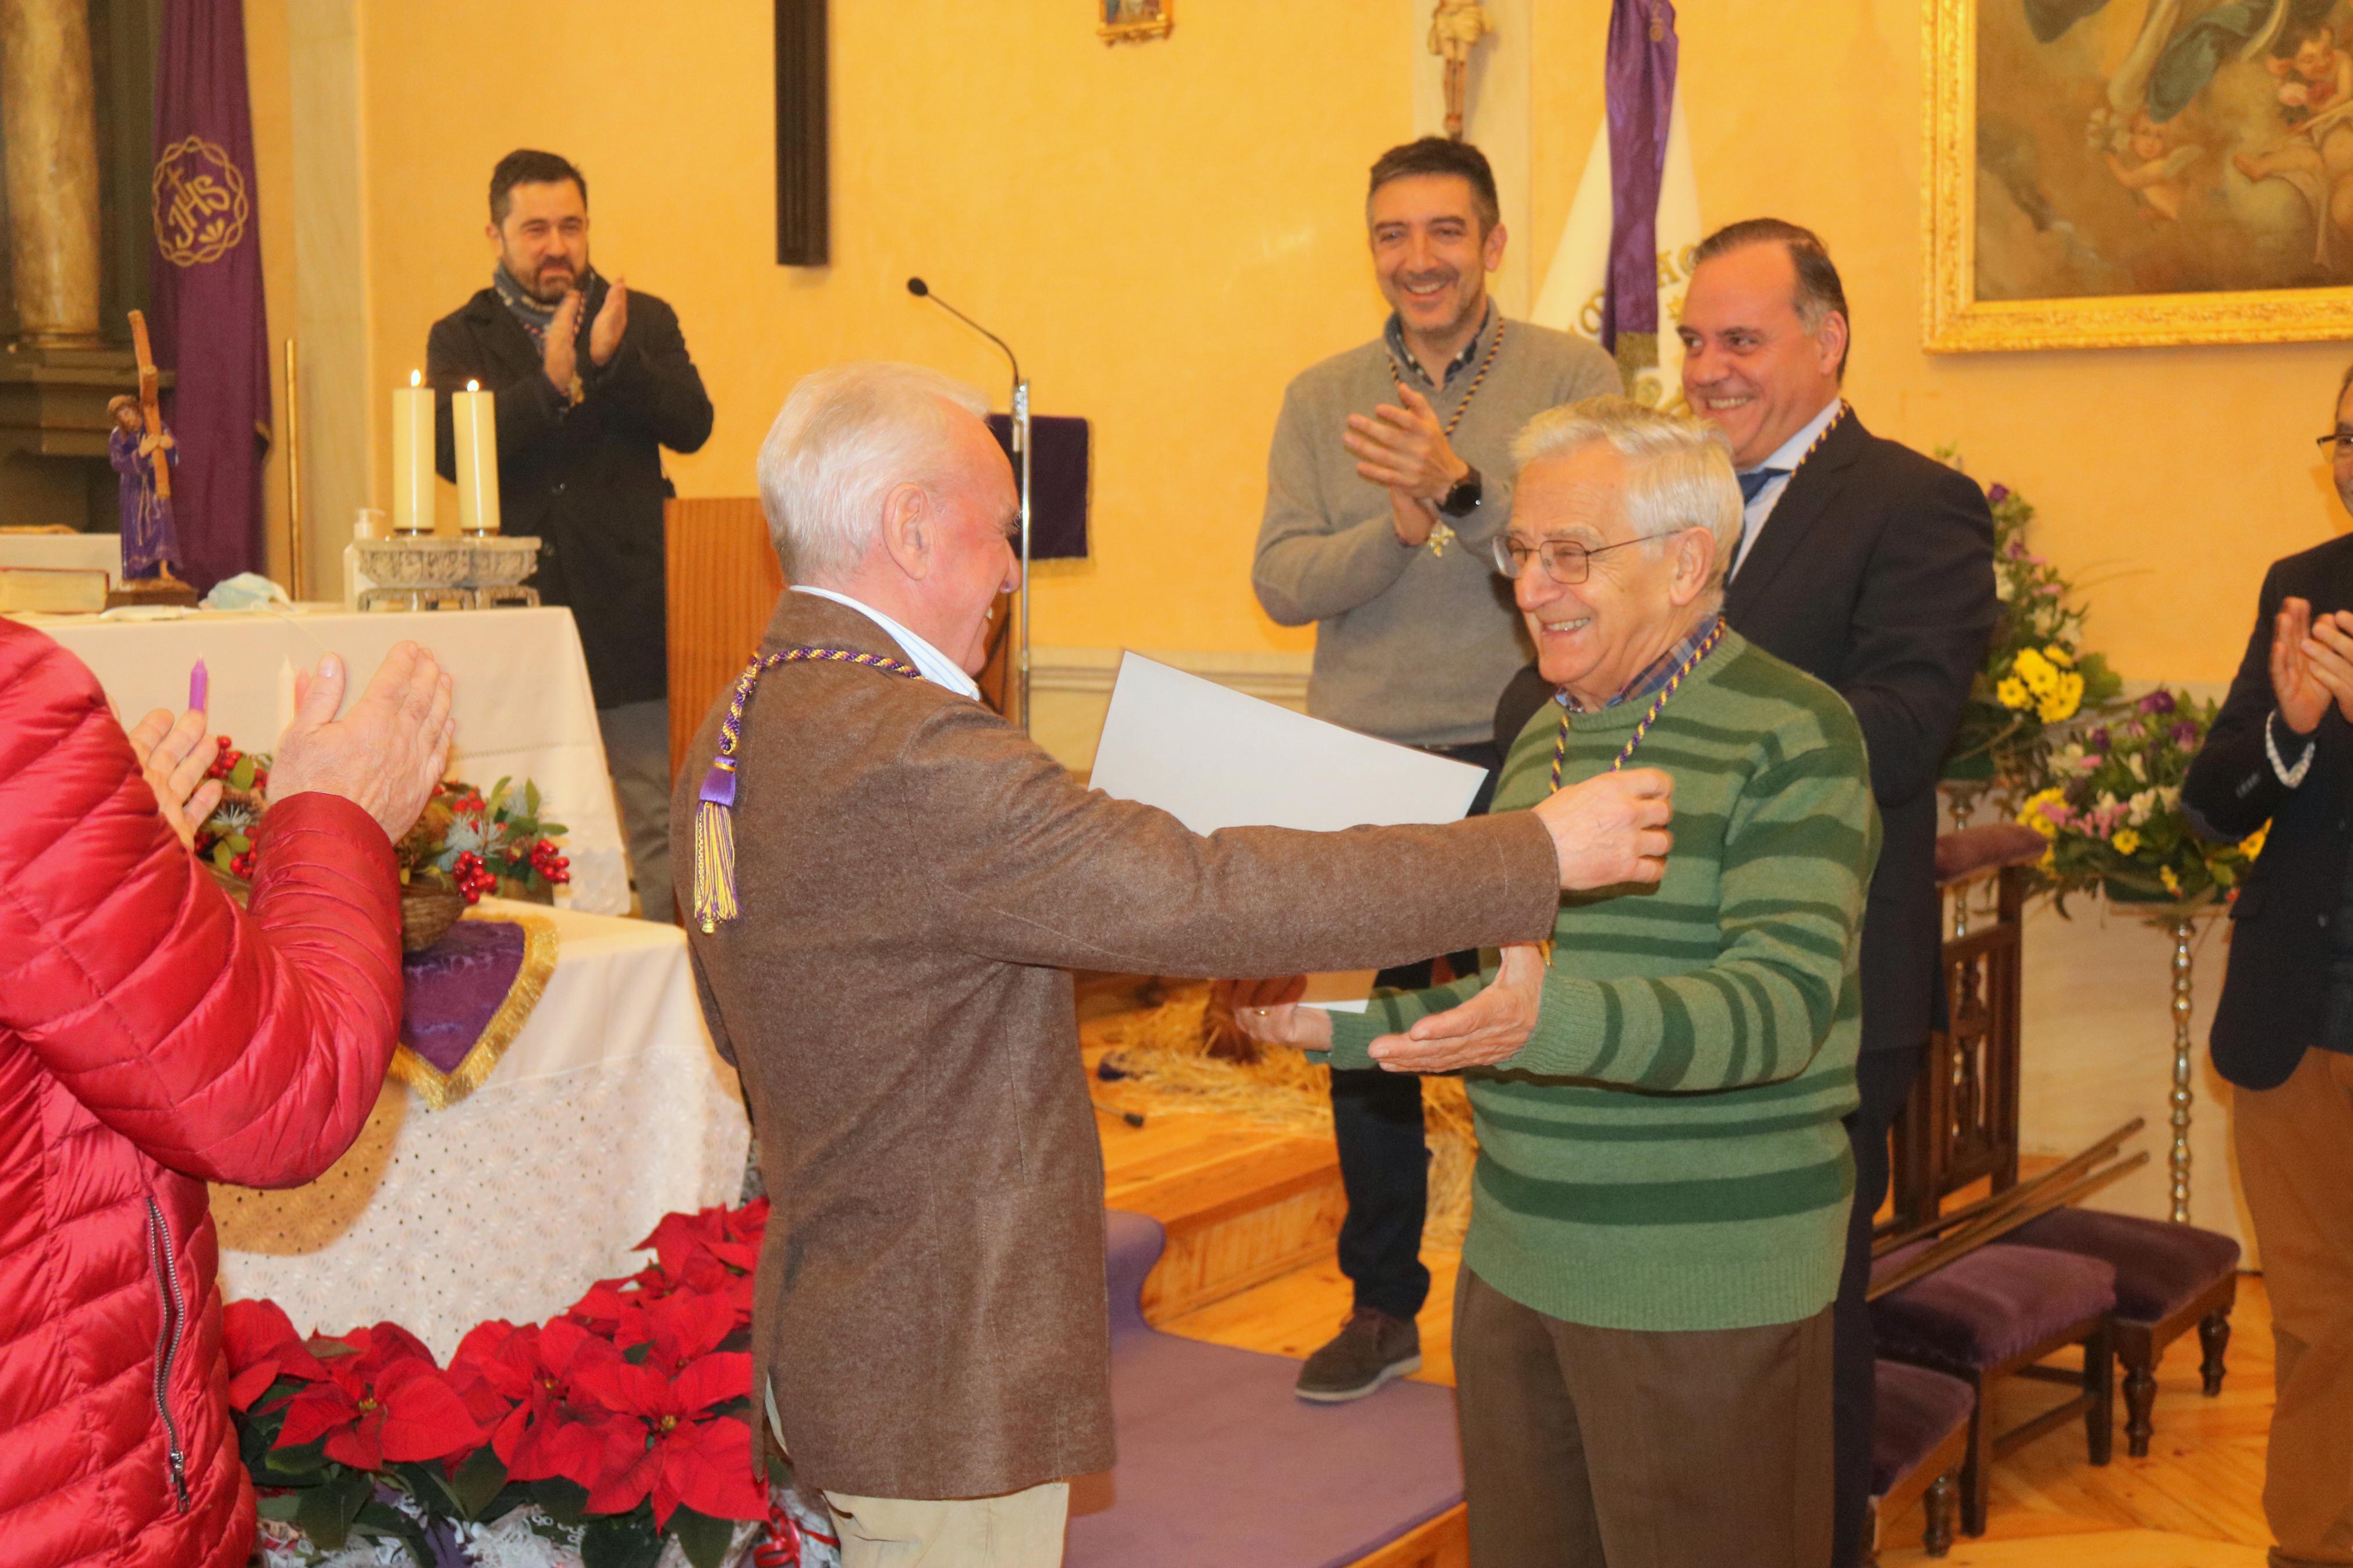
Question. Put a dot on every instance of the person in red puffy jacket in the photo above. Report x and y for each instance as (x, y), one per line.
(154, 1037)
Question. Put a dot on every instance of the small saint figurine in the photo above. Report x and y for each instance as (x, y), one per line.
(1454, 27)
(151, 547)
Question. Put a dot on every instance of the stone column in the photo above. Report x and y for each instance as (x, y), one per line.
(47, 106)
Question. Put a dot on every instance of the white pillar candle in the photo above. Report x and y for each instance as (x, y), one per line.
(412, 456)
(475, 418)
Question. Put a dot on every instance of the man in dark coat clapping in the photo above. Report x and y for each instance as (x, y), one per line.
(592, 380)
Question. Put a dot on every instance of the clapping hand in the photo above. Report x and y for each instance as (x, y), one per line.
(1491, 1028)
(612, 321)
(1405, 448)
(385, 754)
(174, 755)
(2312, 664)
(558, 353)
(1271, 1011)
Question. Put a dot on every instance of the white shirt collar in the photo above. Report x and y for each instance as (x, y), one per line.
(937, 666)
(1790, 452)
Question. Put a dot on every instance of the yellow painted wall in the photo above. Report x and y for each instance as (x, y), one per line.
(1168, 232)
(2172, 476)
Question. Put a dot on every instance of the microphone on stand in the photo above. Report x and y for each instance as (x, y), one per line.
(1020, 423)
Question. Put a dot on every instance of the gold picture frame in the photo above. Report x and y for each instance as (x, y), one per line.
(1133, 21)
(1953, 319)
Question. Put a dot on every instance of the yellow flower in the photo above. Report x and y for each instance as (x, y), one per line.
(2062, 701)
(2252, 844)
(2049, 861)
(2126, 840)
(2034, 817)
(2172, 883)
(2059, 656)
(2039, 673)
(2012, 693)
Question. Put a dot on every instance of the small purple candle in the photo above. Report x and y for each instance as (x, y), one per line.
(199, 688)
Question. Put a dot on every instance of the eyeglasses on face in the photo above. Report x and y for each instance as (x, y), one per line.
(1566, 561)
(2334, 446)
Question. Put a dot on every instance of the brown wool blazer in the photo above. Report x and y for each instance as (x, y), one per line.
(916, 876)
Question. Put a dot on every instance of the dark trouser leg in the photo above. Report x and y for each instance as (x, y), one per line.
(1882, 1080)
(1385, 1171)
(1525, 1481)
(636, 751)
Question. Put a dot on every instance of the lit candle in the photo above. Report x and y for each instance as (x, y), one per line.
(412, 456)
(200, 687)
(475, 418)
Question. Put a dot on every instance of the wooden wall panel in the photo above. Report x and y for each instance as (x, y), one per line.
(724, 583)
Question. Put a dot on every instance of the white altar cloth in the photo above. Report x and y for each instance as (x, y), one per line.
(523, 701)
(609, 1110)
(78, 552)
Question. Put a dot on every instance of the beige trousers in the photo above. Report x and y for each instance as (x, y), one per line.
(2295, 1157)
(1019, 1530)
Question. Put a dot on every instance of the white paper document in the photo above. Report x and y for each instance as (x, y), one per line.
(1214, 758)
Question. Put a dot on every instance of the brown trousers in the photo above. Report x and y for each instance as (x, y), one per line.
(2296, 1160)
(1589, 1447)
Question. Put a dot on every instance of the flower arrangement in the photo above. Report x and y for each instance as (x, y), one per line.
(2112, 813)
(605, 1434)
(464, 841)
(2037, 682)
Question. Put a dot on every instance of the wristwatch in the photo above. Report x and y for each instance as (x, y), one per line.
(1463, 499)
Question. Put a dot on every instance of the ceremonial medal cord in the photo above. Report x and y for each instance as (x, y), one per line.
(714, 810)
(1439, 533)
(1658, 703)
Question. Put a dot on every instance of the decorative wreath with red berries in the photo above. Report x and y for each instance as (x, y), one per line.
(463, 840)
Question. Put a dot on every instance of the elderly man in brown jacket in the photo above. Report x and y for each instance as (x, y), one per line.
(891, 883)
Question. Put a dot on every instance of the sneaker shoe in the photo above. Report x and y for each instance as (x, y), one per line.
(1371, 1348)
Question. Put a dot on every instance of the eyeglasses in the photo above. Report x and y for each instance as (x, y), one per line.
(1566, 562)
(2334, 446)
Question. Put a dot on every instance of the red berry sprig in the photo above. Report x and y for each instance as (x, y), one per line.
(549, 864)
(225, 759)
(241, 866)
(473, 878)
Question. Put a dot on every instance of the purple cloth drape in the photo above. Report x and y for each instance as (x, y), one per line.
(210, 327)
(453, 989)
(1639, 78)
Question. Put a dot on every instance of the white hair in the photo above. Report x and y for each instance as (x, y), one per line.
(1678, 468)
(844, 439)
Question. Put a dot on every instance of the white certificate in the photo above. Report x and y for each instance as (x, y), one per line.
(1215, 758)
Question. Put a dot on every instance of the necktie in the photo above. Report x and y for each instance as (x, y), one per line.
(1755, 479)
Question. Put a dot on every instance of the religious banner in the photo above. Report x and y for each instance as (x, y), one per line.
(1624, 257)
(210, 329)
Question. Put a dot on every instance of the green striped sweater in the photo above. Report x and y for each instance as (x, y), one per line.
(1665, 1151)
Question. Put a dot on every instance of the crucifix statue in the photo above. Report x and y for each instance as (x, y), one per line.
(142, 452)
(1454, 28)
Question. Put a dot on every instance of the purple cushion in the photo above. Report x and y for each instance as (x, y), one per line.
(1987, 1306)
(2160, 1266)
(1917, 1410)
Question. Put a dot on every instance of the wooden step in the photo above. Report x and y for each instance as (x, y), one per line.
(1242, 1203)
(1443, 1542)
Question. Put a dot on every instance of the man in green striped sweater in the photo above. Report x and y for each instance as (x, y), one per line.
(1642, 1328)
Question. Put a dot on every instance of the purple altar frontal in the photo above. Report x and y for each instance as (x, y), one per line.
(452, 990)
(1219, 1461)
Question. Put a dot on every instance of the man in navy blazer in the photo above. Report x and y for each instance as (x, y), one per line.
(1870, 567)
(2281, 751)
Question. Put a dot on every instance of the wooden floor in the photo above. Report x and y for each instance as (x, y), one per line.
(1259, 1275)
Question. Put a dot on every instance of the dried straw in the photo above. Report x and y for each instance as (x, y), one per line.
(1164, 1051)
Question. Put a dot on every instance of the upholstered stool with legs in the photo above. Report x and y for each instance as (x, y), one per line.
(2171, 1279)
(1995, 1312)
(1918, 1444)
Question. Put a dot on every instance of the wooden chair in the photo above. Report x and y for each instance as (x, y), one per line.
(1919, 1443)
(1961, 1125)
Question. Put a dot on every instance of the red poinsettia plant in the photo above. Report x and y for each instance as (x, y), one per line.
(624, 1422)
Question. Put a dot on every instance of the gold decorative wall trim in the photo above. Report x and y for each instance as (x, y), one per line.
(1952, 320)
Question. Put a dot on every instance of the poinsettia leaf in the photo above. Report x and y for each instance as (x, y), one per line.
(621, 1540)
(377, 1522)
(477, 1482)
(703, 1539)
(566, 1502)
(278, 1505)
(329, 1508)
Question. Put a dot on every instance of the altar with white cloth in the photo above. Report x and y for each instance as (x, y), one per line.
(522, 703)
(64, 551)
(609, 1110)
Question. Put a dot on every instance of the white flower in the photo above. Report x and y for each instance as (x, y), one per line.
(2139, 769)
(511, 1543)
(2001, 587)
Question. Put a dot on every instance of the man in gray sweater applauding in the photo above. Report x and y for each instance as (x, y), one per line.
(1389, 483)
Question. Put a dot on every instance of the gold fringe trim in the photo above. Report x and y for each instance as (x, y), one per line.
(1165, 1049)
(441, 1091)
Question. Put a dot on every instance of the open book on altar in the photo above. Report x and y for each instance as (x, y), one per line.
(1214, 758)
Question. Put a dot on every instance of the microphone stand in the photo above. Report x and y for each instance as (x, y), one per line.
(922, 290)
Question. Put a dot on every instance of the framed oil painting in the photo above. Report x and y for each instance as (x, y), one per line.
(1131, 21)
(2107, 172)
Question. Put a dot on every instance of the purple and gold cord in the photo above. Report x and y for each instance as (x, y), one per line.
(1626, 751)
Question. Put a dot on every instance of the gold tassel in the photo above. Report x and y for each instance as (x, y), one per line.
(714, 865)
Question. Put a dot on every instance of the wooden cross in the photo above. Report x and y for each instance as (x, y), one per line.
(150, 382)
